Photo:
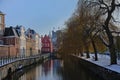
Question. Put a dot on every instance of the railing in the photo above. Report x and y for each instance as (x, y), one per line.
(7, 60)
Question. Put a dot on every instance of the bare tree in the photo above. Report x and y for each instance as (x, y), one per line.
(107, 8)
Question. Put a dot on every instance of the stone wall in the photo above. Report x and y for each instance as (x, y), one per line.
(102, 72)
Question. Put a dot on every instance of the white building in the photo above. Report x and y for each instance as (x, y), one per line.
(38, 44)
(21, 32)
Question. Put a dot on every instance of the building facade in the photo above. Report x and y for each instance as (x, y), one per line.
(37, 43)
(22, 39)
(56, 39)
(11, 38)
(33, 42)
(2, 23)
(2, 26)
(46, 44)
(15, 41)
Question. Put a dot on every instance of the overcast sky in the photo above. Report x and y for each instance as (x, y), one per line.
(40, 15)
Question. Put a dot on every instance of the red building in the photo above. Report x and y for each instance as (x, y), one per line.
(46, 44)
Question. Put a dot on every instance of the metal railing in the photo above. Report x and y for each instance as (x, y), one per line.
(8, 60)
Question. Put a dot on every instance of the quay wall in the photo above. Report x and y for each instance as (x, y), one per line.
(102, 72)
(8, 69)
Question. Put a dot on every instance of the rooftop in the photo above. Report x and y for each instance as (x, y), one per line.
(1, 13)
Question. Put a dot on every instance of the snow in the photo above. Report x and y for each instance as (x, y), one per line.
(115, 68)
(104, 61)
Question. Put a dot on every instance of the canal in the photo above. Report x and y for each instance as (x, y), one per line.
(56, 70)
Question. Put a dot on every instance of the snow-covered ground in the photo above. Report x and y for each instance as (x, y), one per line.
(104, 61)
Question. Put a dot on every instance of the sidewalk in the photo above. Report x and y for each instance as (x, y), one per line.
(104, 61)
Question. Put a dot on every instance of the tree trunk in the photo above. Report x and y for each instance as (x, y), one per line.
(87, 51)
(95, 49)
(113, 55)
(86, 46)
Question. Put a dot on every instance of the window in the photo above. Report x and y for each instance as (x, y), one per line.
(48, 45)
(1, 42)
(7, 41)
(48, 49)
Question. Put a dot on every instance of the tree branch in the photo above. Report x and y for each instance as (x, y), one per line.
(114, 20)
(117, 32)
(103, 41)
(118, 5)
(96, 33)
(103, 3)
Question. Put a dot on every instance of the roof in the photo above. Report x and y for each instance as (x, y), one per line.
(45, 39)
(18, 33)
(10, 32)
(19, 29)
(30, 33)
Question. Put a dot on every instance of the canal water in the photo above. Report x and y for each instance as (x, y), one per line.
(56, 70)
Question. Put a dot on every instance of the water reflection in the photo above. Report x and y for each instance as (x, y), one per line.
(73, 70)
(56, 70)
(50, 70)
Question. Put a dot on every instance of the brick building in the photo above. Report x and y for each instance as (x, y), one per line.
(11, 38)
